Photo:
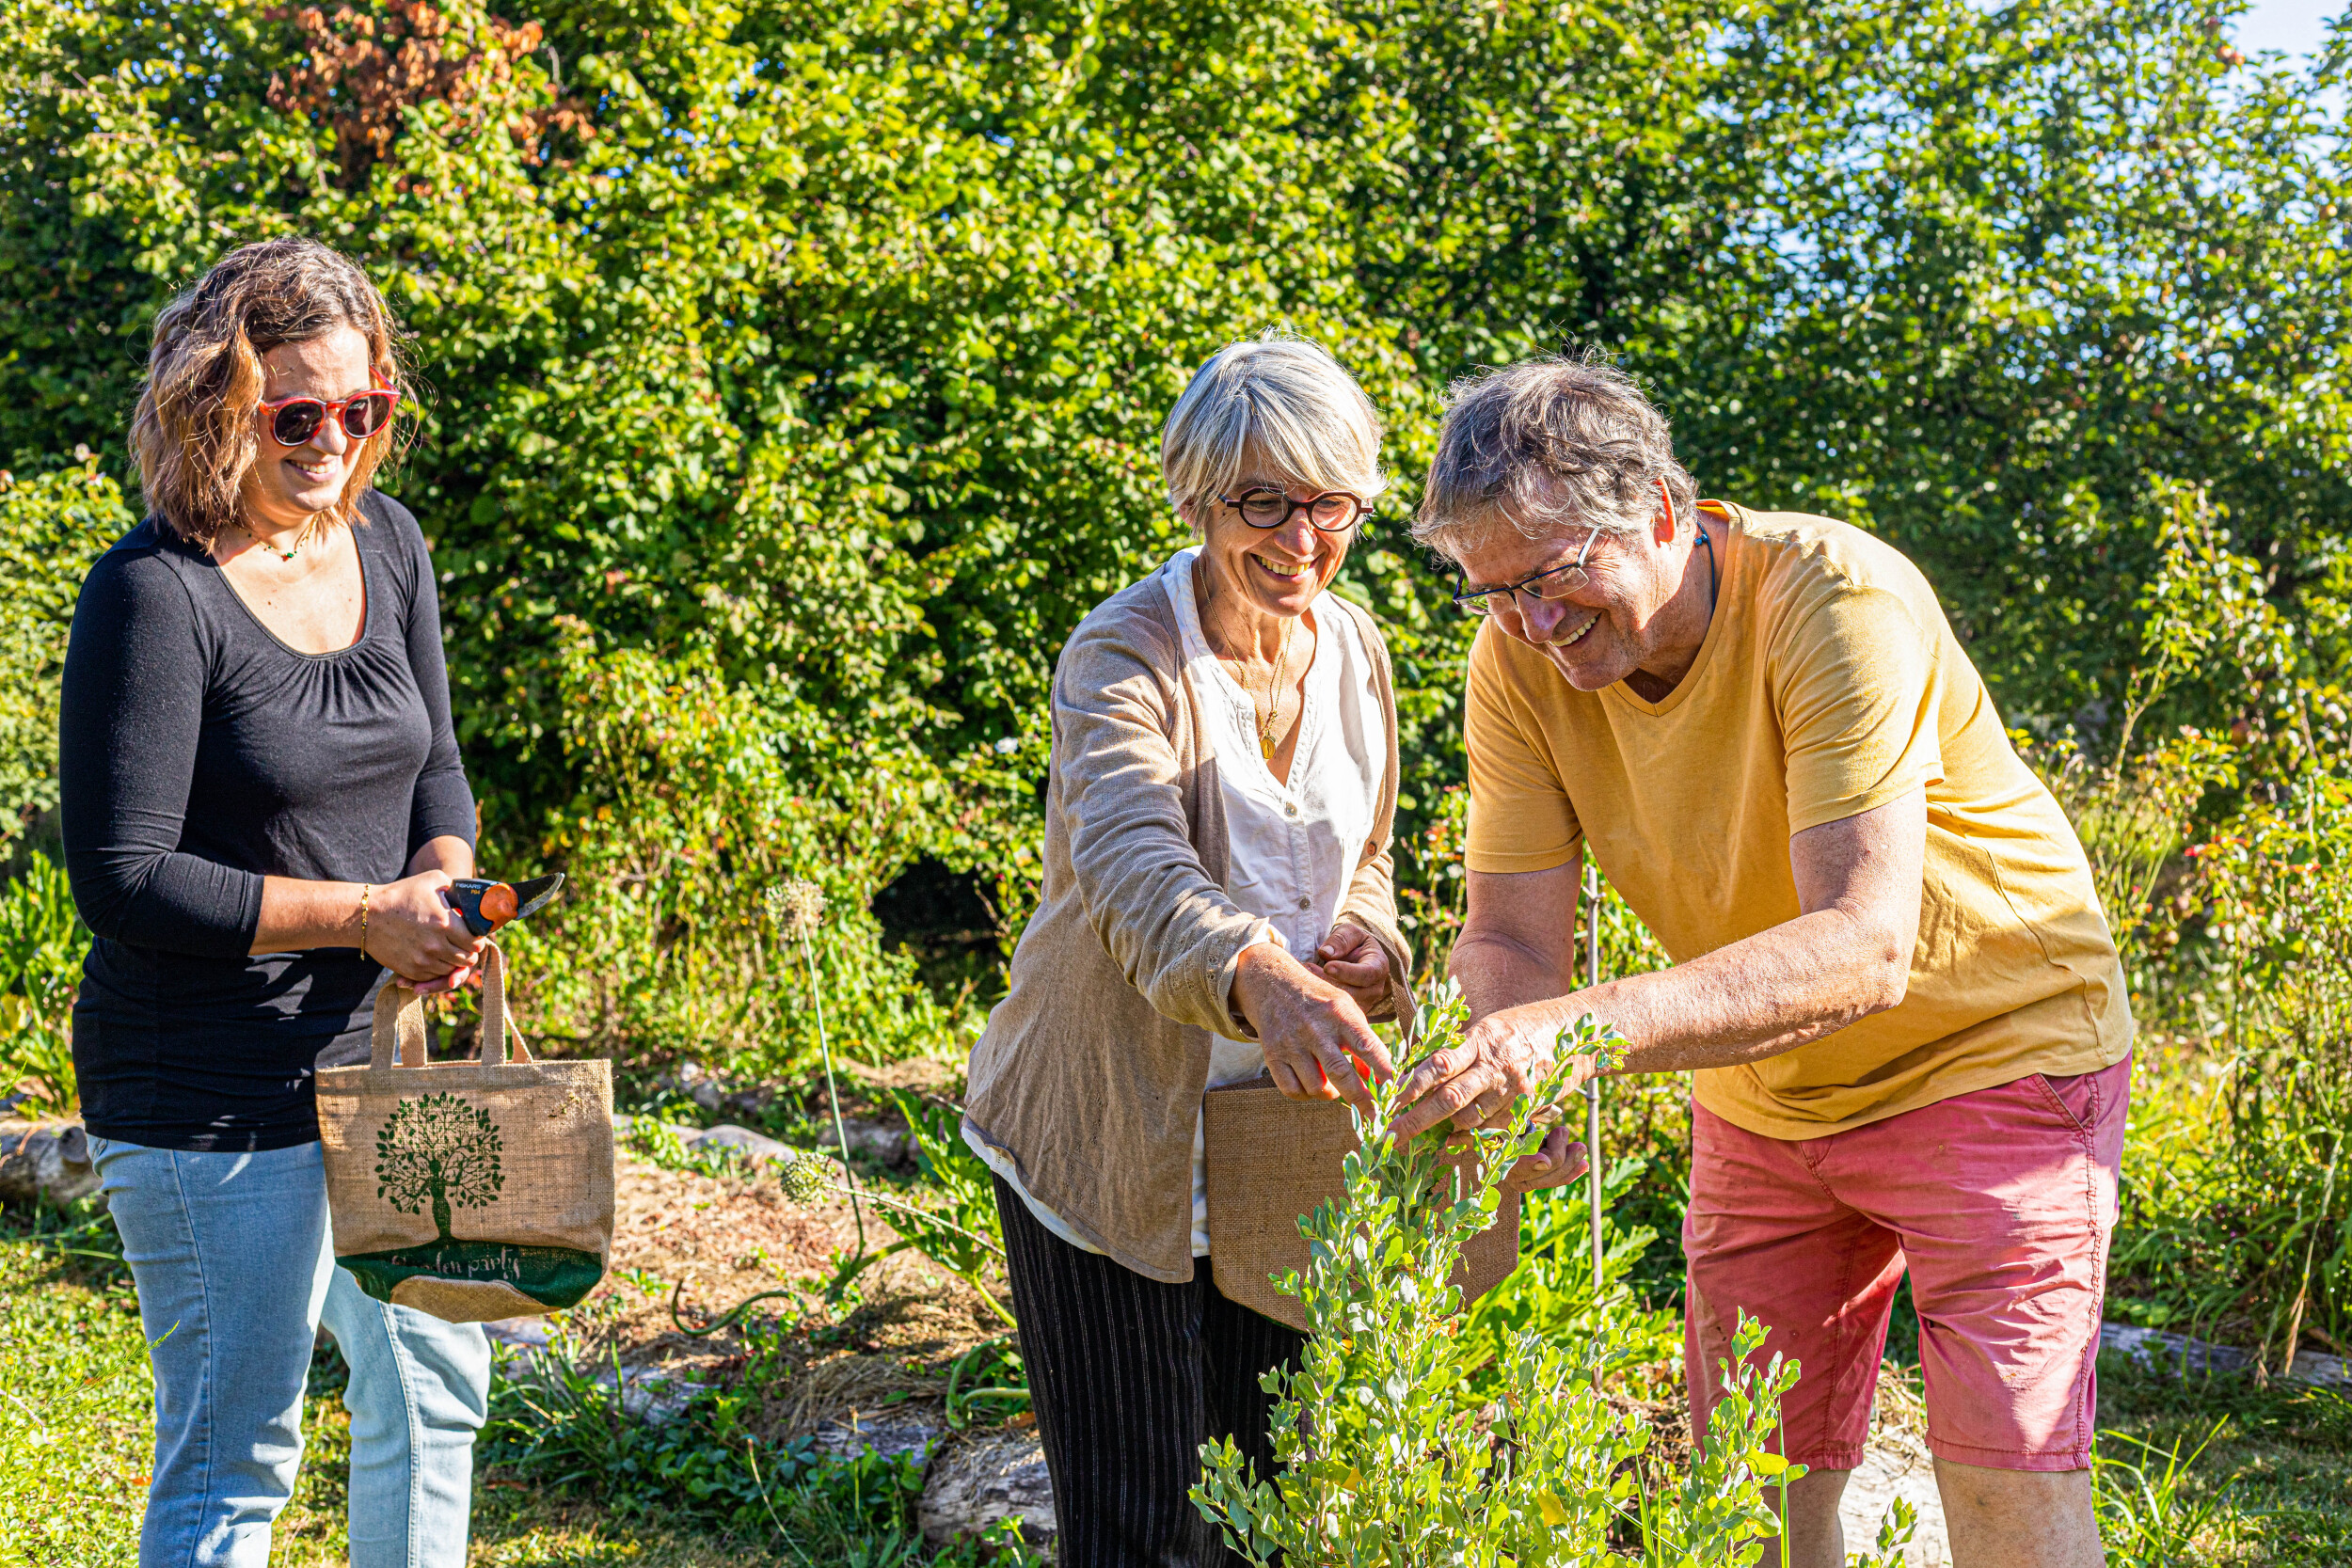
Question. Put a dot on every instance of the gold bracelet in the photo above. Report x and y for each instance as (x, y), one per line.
(366, 890)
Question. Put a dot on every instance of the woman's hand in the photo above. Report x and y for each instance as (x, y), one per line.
(418, 935)
(1312, 1032)
(1350, 960)
(1502, 1056)
(1559, 1162)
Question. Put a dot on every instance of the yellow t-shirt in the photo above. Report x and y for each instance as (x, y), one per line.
(1829, 683)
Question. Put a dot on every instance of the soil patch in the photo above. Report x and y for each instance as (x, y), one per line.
(714, 1242)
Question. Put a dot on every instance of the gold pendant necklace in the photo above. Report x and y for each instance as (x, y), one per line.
(1274, 693)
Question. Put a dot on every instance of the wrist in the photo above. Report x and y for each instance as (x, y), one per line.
(1256, 968)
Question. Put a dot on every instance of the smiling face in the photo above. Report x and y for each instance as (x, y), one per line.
(1274, 571)
(289, 485)
(1617, 622)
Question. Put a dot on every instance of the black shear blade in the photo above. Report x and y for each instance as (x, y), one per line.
(534, 895)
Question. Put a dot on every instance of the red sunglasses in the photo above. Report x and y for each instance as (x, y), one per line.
(294, 420)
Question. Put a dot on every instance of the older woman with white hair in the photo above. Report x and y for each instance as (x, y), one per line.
(1217, 905)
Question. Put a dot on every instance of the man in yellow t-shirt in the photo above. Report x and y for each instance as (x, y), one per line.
(1893, 983)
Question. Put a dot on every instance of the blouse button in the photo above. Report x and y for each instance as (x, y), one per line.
(1305, 903)
(1290, 808)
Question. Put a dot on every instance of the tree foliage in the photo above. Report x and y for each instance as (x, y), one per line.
(440, 1151)
(803, 362)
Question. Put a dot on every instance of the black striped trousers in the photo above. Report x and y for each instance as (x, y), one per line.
(1129, 1377)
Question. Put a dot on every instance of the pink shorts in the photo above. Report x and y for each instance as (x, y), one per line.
(2000, 1201)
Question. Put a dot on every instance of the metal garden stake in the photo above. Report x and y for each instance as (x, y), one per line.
(797, 906)
(1592, 1086)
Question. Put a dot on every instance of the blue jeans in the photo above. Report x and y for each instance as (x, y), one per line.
(236, 1271)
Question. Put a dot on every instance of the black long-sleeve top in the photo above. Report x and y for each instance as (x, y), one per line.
(196, 754)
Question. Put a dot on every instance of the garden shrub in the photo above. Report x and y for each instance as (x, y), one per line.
(42, 943)
(1388, 1453)
(698, 797)
(830, 342)
(1551, 1293)
(52, 525)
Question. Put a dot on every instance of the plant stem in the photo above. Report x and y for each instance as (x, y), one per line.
(832, 1092)
(929, 1218)
(2303, 1291)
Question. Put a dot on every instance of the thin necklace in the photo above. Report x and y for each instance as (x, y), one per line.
(1273, 692)
(301, 538)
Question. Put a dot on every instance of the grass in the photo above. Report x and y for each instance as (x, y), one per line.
(77, 1402)
(74, 1455)
(2212, 1471)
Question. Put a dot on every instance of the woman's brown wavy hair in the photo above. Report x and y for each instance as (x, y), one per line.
(194, 437)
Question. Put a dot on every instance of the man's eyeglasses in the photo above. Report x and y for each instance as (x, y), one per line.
(1332, 512)
(294, 421)
(1550, 586)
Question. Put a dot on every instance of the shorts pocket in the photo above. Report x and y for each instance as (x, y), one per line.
(2073, 1099)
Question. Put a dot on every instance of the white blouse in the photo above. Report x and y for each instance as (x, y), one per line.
(1293, 845)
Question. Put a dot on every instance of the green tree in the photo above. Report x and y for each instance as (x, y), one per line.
(820, 350)
(438, 1149)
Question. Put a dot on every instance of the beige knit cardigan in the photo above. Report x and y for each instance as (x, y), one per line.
(1091, 1072)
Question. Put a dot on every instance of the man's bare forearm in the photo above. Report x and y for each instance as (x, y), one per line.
(1497, 971)
(1757, 998)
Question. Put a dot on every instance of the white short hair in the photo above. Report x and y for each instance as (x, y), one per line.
(1288, 397)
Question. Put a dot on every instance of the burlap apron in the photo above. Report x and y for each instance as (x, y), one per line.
(1269, 1160)
(468, 1190)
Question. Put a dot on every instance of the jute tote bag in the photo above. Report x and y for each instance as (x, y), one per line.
(468, 1190)
(1270, 1159)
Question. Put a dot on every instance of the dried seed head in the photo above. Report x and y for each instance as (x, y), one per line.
(804, 1177)
(797, 907)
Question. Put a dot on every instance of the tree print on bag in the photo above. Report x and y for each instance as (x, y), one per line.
(437, 1148)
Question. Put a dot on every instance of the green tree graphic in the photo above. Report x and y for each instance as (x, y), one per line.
(438, 1147)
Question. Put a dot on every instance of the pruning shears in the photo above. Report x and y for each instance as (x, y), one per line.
(486, 905)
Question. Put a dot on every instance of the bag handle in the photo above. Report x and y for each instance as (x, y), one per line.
(497, 1022)
(400, 1029)
(403, 1041)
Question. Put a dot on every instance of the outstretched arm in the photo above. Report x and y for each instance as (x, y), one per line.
(1846, 957)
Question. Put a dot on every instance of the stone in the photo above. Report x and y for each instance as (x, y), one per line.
(45, 1162)
(987, 1478)
(756, 1147)
(890, 1439)
(2178, 1352)
(521, 1332)
(891, 1145)
(1891, 1469)
(697, 1083)
(653, 1395)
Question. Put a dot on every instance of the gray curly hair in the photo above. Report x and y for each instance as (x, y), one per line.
(1545, 446)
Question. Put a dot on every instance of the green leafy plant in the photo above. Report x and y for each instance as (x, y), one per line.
(964, 1250)
(2149, 1515)
(51, 526)
(42, 943)
(1389, 1456)
(652, 1139)
(1550, 1293)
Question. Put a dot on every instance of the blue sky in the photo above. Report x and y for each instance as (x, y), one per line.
(2298, 26)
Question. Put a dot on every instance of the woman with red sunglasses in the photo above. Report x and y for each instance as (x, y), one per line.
(262, 801)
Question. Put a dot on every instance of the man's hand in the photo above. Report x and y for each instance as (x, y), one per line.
(1350, 960)
(1308, 1028)
(1502, 1056)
